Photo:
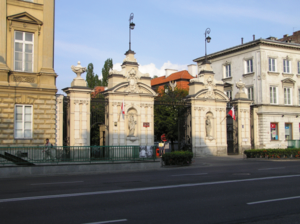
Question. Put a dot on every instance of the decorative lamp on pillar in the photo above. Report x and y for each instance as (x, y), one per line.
(131, 27)
(207, 39)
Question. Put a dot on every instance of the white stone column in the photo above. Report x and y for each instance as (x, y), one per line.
(122, 128)
(150, 129)
(115, 127)
(143, 129)
(80, 96)
(59, 120)
(197, 126)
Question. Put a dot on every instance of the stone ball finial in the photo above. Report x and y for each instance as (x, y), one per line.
(78, 69)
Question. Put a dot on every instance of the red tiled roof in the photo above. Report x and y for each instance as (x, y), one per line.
(98, 89)
(175, 76)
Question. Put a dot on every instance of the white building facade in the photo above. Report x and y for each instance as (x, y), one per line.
(271, 71)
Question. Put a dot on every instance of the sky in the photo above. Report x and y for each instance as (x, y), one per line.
(167, 34)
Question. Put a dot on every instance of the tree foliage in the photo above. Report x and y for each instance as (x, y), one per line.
(92, 79)
(168, 113)
(108, 64)
(97, 117)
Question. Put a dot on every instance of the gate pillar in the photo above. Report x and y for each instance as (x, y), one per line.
(59, 120)
(79, 111)
(208, 113)
(131, 100)
(241, 126)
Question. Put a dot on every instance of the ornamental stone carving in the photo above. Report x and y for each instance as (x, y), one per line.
(132, 79)
(78, 69)
(24, 79)
(210, 88)
(131, 125)
(208, 127)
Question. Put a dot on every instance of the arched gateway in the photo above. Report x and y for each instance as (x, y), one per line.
(208, 113)
(130, 119)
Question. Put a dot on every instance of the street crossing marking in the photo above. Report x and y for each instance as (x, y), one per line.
(143, 189)
(193, 174)
(277, 168)
(111, 221)
(272, 200)
(70, 182)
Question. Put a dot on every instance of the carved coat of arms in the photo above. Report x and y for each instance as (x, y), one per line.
(132, 79)
(210, 88)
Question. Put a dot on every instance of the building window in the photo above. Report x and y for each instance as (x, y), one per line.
(298, 67)
(23, 121)
(288, 131)
(23, 51)
(273, 94)
(287, 96)
(228, 71)
(229, 94)
(249, 66)
(272, 64)
(299, 96)
(274, 131)
(286, 66)
(250, 93)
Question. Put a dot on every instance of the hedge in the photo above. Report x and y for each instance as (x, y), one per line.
(177, 158)
(272, 153)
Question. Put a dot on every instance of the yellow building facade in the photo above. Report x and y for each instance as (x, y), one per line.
(27, 76)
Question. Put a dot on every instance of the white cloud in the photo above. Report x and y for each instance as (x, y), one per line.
(152, 70)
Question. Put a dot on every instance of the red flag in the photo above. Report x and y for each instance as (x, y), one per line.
(231, 113)
(122, 108)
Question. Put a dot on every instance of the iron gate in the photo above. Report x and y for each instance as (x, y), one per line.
(173, 118)
(99, 109)
(232, 134)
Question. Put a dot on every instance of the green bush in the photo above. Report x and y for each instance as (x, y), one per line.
(177, 158)
(272, 153)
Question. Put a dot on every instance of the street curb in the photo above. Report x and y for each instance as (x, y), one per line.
(75, 169)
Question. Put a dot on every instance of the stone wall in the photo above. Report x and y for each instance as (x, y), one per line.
(43, 117)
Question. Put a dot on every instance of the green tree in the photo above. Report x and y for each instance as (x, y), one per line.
(108, 64)
(92, 79)
(168, 113)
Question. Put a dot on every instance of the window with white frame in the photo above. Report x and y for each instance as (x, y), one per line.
(227, 70)
(286, 66)
(298, 67)
(23, 121)
(23, 51)
(272, 64)
(250, 93)
(273, 94)
(287, 95)
(249, 66)
(229, 94)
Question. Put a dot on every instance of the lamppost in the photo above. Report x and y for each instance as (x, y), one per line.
(131, 27)
(207, 39)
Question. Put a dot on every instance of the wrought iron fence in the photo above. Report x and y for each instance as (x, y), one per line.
(64, 154)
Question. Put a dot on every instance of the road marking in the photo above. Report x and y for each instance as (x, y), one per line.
(195, 174)
(272, 200)
(277, 168)
(71, 182)
(111, 221)
(142, 189)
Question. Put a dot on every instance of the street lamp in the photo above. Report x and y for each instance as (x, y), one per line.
(207, 39)
(131, 27)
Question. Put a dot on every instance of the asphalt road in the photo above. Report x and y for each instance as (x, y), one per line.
(212, 190)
